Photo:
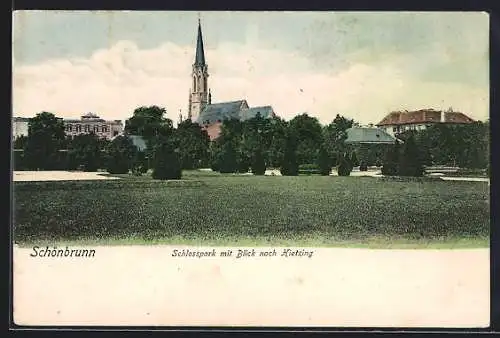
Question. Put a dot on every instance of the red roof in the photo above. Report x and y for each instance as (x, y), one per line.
(423, 116)
(213, 130)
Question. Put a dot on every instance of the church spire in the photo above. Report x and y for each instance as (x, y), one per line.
(200, 53)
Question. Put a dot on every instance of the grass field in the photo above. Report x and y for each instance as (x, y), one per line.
(212, 209)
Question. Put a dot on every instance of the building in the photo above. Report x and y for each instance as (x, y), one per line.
(398, 122)
(86, 124)
(92, 123)
(20, 126)
(211, 115)
(369, 135)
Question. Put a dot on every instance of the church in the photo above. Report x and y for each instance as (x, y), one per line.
(211, 115)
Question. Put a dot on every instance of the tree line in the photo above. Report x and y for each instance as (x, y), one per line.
(300, 145)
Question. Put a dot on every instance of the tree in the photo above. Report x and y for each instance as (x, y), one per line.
(195, 144)
(45, 138)
(308, 133)
(410, 163)
(335, 135)
(227, 159)
(20, 142)
(84, 151)
(324, 161)
(344, 167)
(289, 166)
(258, 163)
(121, 154)
(390, 166)
(277, 141)
(166, 160)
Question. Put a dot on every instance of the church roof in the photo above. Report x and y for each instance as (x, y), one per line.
(200, 53)
(220, 111)
(369, 135)
(264, 111)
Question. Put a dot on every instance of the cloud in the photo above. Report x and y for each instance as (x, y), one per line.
(113, 82)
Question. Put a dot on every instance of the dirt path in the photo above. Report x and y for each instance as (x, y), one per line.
(335, 287)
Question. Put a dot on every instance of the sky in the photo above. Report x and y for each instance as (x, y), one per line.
(361, 65)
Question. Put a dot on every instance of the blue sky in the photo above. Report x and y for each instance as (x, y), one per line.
(360, 64)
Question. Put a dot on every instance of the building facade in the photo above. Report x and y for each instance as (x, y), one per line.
(211, 115)
(86, 124)
(400, 121)
(91, 123)
(20, 127)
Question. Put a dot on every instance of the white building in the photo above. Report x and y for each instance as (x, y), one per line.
(19, 126)
(398, 122)
(86, 124)
(93, 123)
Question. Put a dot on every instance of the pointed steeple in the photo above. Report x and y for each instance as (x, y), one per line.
(200, 53)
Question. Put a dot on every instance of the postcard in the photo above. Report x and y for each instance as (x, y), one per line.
(251, 169)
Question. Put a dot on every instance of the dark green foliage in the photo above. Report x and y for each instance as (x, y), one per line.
(324, 162)
(354, 159)
(391, 161)
(194, 143)
(20, 142)
(410, 163)
(18, 160)
(308, 134)
(121, 155)
(167, 161)
(84, 152)
(363, 166)
(290, 166)
(45, 137)
(140, 162)
(281, 209)
(258, 163)
(227, 159)
(344, 167)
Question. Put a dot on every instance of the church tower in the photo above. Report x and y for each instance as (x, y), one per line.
(199, 93)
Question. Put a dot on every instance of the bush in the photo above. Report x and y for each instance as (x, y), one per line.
(390, 166)
(121, 155)
(363, 166)
(227, 161)
(345, 167)
(167, 161)
(324, 162)
(290, 166)
(308, 169)
(410, 163)
(258, 164)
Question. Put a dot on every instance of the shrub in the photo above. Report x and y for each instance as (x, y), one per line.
(410, 163)
(345, 167)
(354, 159)
(121, 155)
(227, 161)
(390, 166)
(167, 162)
(363, 166)
(324, 162)
(290, 166)
(258, 164)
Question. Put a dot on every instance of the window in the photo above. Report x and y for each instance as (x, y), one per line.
(104, 128)
(394, 129)
(115, 133)
(96, 129)
(79, 128)
(69, 127)
(87, 128)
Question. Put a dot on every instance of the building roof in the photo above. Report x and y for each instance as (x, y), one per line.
(200, 53)
(369, 135)
(220, 111)
(21, 119)
(264, 111)
(423, 116)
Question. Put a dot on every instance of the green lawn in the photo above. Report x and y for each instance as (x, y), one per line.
(211, 209)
